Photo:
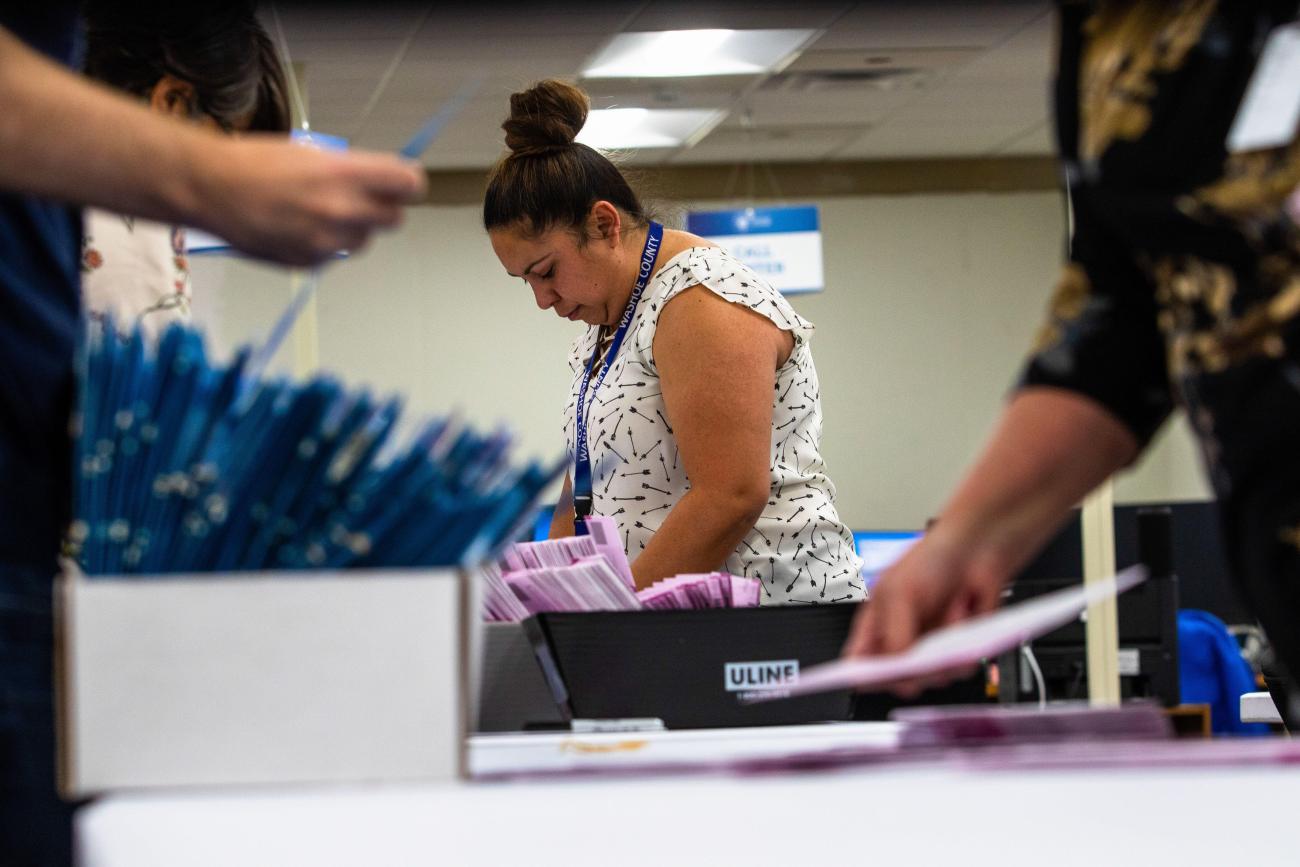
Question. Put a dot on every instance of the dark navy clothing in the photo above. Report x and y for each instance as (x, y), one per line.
(35, 825)
(39, 323)
(40, 244)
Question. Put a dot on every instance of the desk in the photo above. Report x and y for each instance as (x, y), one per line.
(696, 750)
(888, 814)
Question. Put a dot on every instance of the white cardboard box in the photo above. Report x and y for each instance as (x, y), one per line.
(256, 678)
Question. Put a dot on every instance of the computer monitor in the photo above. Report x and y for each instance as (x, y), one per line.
(880, 549)
(1199, 557)
(1147, 615)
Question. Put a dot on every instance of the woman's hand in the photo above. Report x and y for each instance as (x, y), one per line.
(73, 140)
(296, 204)
(933, 585)
(563, 522)
(1051, 447)
(938, 582)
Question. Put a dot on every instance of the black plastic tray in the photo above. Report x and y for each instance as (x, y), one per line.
(673, 665)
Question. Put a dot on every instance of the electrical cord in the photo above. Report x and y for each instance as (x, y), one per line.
(1032, 662)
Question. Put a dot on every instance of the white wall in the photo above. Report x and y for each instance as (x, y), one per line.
(929, 305)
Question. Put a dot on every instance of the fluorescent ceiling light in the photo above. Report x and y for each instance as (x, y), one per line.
(688, 53)
(615, 128)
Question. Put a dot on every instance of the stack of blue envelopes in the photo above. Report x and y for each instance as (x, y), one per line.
(185, 465)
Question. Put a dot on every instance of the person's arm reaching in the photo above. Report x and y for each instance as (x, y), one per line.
(717, 363)
(1093, 393)
(1049, 449)
(563, 524)
(64, 137)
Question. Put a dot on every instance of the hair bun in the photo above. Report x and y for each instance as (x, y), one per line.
(546, 117)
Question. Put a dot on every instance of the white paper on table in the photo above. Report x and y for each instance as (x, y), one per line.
(964, 643)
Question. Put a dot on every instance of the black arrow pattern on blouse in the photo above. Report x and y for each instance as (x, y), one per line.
(806, 549)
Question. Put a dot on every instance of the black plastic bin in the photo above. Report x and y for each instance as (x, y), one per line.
(691, 669)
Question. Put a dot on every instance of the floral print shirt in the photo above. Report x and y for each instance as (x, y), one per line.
(1183, 280)
(134, 271)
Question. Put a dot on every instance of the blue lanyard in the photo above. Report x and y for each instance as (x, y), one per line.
(582, 483)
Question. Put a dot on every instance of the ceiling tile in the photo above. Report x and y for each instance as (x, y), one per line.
(305, 22)
(534, 21)
(898, 140)
(978, 79)
(1027, 55)
(820, 104)
(930, 25)
(498, 48)
(768, 145)
(754, 15)
(664, 93)
(642, 157)
(1038, 140)
(403, 120)
(345, 56)
(351, 92)
(1021, 104)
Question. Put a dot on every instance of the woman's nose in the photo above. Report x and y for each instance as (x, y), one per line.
(545, 298)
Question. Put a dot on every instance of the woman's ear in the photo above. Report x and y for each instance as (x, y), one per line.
(605, 222)
(174, 96)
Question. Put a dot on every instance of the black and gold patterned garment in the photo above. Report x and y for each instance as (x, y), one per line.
(1183, 285)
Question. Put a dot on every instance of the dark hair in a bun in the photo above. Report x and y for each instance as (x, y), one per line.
(548, 117)
(548, 179)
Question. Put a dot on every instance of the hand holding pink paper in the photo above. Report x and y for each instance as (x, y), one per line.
(965, 643)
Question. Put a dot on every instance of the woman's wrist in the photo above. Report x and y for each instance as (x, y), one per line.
(987, 547)
(188, 192)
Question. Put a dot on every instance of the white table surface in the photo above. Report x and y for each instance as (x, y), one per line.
(513, 754)
(885, 814)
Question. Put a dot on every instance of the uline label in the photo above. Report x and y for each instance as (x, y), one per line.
(772, 674)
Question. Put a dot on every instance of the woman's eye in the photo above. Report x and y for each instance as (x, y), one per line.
(550, 272)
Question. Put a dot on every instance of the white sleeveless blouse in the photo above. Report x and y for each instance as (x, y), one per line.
(799, 549)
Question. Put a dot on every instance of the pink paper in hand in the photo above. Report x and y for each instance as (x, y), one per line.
(965, 643)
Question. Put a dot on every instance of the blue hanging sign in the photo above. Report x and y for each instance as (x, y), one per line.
(782, 244)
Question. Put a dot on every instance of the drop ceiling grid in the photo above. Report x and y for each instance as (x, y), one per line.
(978, 107)
(1001, 91)
(341, 22)
(1036, 140)
(931, 25)
(859, 106)
(753, 15)
(791, 144)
